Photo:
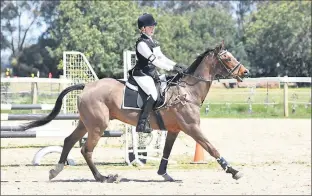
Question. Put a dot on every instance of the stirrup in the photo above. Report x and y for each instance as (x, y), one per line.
(146, 128)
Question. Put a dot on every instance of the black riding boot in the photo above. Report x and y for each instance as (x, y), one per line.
(143, 126)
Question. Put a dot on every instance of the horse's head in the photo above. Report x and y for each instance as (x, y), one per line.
(229, 65)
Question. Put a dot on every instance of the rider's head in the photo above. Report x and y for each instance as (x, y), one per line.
(146, 24)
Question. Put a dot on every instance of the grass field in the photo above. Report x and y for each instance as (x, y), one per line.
(236, 103)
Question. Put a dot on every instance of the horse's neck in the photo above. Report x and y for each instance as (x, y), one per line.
(206, 71)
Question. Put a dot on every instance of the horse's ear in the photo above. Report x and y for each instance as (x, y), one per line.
(217, 49)
(222, 45)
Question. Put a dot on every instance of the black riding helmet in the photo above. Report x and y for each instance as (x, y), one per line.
(146, 20)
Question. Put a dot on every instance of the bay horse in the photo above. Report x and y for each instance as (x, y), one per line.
(100, 101)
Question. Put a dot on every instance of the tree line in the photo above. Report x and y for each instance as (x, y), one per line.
(271, 38)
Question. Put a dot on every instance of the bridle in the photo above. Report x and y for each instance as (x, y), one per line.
(230, 71)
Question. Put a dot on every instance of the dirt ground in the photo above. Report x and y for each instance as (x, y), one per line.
(274, 156)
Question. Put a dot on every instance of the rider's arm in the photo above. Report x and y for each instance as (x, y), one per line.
(158, 53)
(145, 51)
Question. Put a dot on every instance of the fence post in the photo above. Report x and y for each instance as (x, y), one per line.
(62, 86)
(34, 94)
(285, 97)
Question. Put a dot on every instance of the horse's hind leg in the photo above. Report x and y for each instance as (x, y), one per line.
(87, 151)
(95, 132)
(162, 170)
(69, 142)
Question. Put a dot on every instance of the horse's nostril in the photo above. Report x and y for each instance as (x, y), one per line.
(246, 72)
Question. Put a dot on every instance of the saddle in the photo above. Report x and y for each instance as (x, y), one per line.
(134, 96)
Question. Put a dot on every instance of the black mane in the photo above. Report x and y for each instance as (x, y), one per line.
(191, 69)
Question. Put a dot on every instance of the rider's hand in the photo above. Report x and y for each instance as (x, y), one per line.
(178, 68)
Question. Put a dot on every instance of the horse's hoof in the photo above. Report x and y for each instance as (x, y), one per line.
(112, 178)
(52, 174)
(238, 175)
(167, 178)
(108, 179)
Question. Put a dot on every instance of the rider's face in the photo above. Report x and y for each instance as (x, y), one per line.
(149, 30)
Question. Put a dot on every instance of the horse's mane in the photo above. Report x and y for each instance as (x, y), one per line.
(197, 61)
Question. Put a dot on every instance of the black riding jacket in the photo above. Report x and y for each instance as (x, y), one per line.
(144, 66)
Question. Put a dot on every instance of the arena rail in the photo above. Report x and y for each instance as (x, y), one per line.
(16, 132)
(27, 106)
(37, 116)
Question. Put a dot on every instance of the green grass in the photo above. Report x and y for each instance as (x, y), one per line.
(258, 111)
(234, 103)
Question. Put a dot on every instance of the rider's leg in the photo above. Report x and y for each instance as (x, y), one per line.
(148, 86)
(142, 125)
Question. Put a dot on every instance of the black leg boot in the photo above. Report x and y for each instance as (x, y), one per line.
(143, 126)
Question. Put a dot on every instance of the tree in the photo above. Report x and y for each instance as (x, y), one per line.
(15, 32)
(184, 37)
(102, 30)
(13, 11)
(243, 9)
(99, 29)
(39, 57)
(180, 7)
(278, 39)
(150, 3)
(4, 42)
(212, 25)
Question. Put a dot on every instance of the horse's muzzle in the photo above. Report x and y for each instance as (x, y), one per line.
(240, 78)
(246, 73)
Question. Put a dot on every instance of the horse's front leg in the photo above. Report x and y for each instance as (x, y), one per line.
(195, 132)
(162, 170)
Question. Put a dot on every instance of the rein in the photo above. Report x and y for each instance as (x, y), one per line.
(200, 78)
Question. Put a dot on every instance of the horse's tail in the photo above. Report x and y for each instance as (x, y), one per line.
(56, 109)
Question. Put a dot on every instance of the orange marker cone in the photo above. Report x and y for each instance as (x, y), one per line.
(199, 155)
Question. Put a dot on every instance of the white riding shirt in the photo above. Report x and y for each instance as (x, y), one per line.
(147, 82)
(160, 61)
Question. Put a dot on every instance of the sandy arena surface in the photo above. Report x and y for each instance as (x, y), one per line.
(274, 155)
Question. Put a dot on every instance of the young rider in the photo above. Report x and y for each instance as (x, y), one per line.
(149, 56)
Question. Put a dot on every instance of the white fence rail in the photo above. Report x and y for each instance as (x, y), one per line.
(269, 79)
(36, 80)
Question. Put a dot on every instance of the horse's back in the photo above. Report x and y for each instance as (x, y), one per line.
(102, 90)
